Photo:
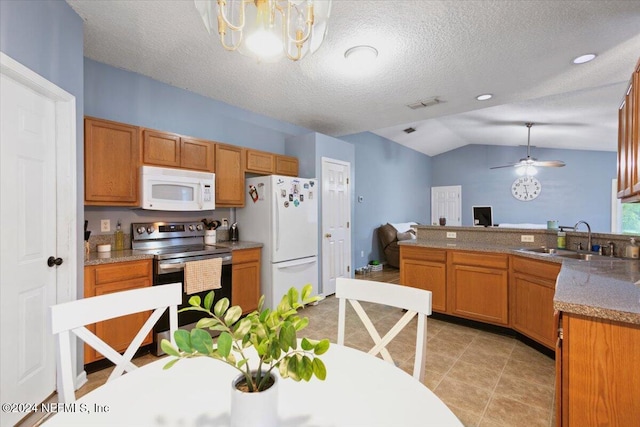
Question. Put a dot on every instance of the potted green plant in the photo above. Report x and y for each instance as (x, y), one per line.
(271, 333)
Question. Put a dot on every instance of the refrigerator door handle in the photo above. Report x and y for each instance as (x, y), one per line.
(275, 197)
(296, 262)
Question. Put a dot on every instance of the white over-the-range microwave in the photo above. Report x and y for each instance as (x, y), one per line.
(166, 189)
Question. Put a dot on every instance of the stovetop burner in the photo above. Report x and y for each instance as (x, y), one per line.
(172, 240)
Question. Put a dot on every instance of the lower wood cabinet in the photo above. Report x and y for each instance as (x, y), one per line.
(116, 277)
(425, 268)
(600, 375)
(533, 284)
(245, 290)
(478, 286)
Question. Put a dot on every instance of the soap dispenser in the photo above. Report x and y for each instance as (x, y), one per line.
(119, 237)
(562, 239)
(633, 250)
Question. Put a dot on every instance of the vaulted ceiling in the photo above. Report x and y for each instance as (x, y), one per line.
(520, 51)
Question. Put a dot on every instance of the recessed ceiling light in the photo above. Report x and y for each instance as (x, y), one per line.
(484, 97)
(361, 53)
(584, 58)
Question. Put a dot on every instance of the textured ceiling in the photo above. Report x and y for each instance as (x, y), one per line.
(520, 51)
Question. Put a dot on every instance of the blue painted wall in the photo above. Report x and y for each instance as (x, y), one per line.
(47, 37)
(580, 190)
(395, 184)
(124, 96)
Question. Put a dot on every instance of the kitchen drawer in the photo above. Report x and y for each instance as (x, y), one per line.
(480, 259)
(542, 269)
(246, 255)
(423, 254)
(118, 272)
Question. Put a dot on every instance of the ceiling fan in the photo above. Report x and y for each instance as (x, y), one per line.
(527, 164)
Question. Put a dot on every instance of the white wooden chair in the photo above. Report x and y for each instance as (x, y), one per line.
(415, 301)
(71, 317)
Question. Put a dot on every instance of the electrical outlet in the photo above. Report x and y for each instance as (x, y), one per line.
(105, 225)
(526, 238)
(451, 234)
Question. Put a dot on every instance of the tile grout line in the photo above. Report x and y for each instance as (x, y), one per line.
(484, 412)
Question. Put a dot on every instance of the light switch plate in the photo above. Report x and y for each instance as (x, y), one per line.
(105, 225)
(526, 238)
(451, 234)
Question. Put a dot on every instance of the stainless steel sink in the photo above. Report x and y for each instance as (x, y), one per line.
(563, 253)
(579, 255)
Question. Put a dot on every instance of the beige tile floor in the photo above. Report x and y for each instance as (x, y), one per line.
(487, 380)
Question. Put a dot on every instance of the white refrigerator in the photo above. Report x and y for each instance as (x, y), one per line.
(281, 212)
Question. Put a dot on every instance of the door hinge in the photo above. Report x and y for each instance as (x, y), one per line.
(560, 333)
(348, 222)
(347, 181)
(348, 269)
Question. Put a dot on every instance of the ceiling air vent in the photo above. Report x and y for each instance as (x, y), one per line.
(424, 103)
(409, 130)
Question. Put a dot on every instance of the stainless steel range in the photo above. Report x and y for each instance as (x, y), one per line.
(173, 244)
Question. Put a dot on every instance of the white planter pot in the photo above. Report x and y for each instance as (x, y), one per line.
(209, 237)
(258, 409)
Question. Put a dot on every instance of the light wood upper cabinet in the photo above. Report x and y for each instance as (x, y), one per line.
(628, 141)
(260, 162)
(265, 163)
(477, 286)
(172, 150)
(286, 165)
(425, 268)
(160, 148)
(197, 154)
(116, 277)
(246, 279)
(111, 163)
(532, 287)
(229, 176)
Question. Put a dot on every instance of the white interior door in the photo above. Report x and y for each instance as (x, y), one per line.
(30, 220)
(336, 223)
(446, 202)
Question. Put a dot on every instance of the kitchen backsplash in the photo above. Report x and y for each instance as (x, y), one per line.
(95, 214)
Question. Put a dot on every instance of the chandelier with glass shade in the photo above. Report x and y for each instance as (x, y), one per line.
(267, 30)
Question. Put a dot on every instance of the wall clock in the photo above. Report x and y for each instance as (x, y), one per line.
(526, 188)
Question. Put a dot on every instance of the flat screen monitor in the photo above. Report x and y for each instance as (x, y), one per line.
(482, 216)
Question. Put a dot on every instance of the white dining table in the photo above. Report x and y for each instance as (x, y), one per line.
(360, 390)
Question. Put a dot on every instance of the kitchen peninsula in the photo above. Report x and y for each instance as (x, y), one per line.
(490, 275)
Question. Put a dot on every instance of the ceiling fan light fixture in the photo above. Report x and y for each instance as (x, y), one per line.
(582, 59)
(526, 170)
(526, 166)
(484, 97)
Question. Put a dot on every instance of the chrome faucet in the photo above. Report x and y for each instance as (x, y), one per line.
(575, 227)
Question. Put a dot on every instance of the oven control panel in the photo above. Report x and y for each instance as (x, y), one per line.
(166, 230)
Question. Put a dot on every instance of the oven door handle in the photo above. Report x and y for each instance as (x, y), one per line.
(178, 266)
(171, 266)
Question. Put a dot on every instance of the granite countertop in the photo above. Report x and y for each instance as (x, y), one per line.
(97, 258)
(607, 288)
